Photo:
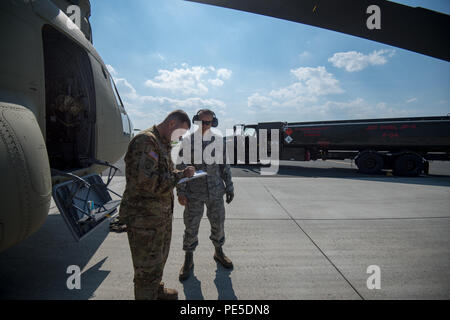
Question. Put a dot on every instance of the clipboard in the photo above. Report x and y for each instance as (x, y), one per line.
(197, 174)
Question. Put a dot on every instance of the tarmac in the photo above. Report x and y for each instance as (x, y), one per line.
(313, 231)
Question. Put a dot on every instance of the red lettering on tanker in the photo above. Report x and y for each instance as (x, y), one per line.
(312, 129)
(311, 135)
(390, 134)
(408, 126)
(388, 127)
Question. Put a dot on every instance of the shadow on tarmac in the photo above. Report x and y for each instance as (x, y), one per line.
(223, 283)
(193, 290)
(439, 172)
(37, 267)
(298, 171)
(192, 287)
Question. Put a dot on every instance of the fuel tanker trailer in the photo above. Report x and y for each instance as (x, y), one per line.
(404, 145)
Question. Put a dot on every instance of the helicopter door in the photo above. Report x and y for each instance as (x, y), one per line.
(70, 102)
(85, 203)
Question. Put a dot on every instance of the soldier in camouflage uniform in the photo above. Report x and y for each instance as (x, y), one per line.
(209, 191)
(147, 204)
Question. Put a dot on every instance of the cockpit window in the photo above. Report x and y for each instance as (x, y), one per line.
(116, 95)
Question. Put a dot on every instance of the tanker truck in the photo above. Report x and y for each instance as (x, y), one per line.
(403, 145)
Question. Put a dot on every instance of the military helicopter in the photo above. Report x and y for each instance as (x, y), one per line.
(62, 121)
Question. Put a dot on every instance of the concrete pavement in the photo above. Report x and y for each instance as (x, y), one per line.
(310, 236)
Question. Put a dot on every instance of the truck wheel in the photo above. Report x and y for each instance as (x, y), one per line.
(409, 165)
(370, 162)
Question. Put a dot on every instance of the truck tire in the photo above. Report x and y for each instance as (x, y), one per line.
(369, 162)
(409, 165)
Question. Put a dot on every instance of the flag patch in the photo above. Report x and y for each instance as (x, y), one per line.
(153, 155)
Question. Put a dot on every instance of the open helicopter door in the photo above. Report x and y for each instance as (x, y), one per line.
(85, 202)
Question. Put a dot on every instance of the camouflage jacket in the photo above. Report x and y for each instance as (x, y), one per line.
(150, 173)
(214, 185)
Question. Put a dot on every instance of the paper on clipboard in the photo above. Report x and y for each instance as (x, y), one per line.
(197, 174)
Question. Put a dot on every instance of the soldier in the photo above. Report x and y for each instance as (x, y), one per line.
(209, 191)
(147, 204)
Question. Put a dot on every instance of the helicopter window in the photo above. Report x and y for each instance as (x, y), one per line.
(116, 95)
(70, 102)
(104, 73)
(125, 124)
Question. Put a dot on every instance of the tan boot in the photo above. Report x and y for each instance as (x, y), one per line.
(117, 225)
(188, 264)
(220, 257)
(166, 293)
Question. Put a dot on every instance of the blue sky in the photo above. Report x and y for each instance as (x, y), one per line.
(168, 54)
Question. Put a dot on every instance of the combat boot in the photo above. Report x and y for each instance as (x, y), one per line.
(166, 293)
(116, 225)
(220, 257)
(187, 266)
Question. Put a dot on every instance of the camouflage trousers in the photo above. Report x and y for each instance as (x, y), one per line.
(193, 213)
(149, 237)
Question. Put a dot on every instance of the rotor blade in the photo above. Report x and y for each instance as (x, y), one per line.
(415, 29)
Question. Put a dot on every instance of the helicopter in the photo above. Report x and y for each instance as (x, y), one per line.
(62, 121)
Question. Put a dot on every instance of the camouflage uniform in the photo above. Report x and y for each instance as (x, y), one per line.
(209, 191)
(147, 208)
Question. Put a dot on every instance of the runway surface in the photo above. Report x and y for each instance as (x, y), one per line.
(309, 232)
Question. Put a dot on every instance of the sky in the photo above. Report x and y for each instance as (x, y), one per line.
(173, 54)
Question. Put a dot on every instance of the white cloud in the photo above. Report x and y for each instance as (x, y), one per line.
(311, 84)
(189, 105)
(257, 101)
(411, 100)
(304, 55)
(146, 110)
(353, 61)
(188, 80)
(111, 70)
(159, 56)
(224, 73)
(309, 99)
(130, 91)
(216, 82)
(361, 109)
(317, 81)
(357, 108)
